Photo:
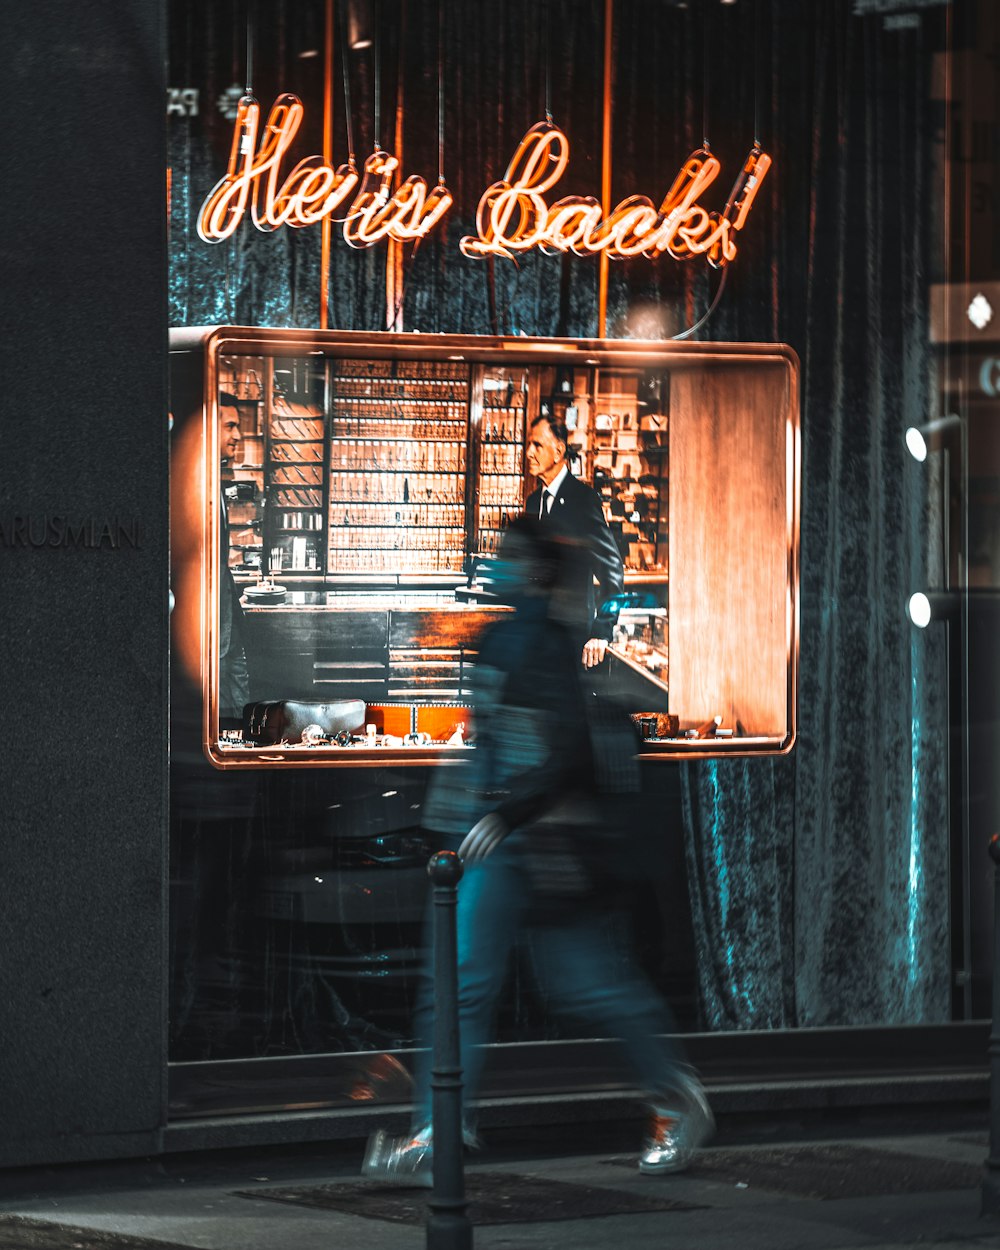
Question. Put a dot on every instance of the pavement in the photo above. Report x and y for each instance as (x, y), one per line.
(736, 1198)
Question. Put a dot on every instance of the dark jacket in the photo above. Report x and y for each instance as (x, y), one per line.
(576, 514)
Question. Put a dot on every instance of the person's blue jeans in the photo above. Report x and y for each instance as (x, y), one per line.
(488, 917)
(579, 969)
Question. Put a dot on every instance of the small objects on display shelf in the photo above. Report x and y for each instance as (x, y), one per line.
(266, 591)
(629, 454)
(345, 724)
(641, 636)
(662, 726)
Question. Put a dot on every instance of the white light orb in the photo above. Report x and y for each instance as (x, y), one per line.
(916, 444)
(919, 610)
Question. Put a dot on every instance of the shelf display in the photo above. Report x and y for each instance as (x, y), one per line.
(397, 489)
(500, 482)
(377, 476)
(629, 464)
(294, 469)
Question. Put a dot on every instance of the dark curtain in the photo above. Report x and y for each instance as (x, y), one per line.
(818, 881)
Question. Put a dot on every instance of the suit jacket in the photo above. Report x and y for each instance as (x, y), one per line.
(576, 514)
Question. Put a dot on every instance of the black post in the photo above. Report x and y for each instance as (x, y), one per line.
(448, 1226)
(991, 1181)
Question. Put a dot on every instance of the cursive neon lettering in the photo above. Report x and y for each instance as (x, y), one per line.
(406, 216)
(312, 190)
(513, 216)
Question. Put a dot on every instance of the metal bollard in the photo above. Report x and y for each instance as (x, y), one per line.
(991, 1180)
(448, 1225)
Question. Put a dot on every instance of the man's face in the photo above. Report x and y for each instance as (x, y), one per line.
(229, 434)
(545, 452)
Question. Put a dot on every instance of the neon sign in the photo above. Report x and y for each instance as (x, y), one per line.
(407, 215)
(313, 190)
(513, 215)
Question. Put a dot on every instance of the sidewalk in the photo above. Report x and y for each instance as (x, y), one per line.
(759, 1196)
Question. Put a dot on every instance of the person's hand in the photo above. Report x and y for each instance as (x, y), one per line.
(594, 652)
(483, 838)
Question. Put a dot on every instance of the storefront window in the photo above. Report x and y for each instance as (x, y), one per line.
(353, 433)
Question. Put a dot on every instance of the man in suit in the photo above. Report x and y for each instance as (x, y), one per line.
(234, 680)
(568, 508)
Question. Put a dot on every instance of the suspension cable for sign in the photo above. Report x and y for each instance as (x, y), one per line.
(756, 73)
(704, 75)
(249, 65)
(377, 74)
(546, 60)
(351, 155)
(440, 51)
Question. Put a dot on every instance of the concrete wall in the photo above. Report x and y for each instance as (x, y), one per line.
(83, 581)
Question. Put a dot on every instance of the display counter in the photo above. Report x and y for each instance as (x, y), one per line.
(322, 644)
(344, 549)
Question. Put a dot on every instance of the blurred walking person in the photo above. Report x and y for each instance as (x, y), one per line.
(539, 817)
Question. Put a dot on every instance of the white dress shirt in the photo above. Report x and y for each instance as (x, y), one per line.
(549, 492)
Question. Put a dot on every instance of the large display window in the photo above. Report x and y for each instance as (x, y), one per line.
(340, 499)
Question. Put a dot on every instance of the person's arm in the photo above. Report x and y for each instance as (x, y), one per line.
(548, 685)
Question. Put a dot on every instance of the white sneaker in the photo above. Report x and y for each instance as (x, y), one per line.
(404, 1160)
(675, 1135)
(407, 1159)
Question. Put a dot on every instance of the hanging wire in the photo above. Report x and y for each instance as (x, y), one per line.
(249, 65)
(347, 85)
(704, 74)
(705, 316)
(377, 74)
(441, 4)
(756, 73)
(546, 21)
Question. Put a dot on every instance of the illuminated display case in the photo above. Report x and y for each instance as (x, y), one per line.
(503, 396)
(397, 487)
(375, 479)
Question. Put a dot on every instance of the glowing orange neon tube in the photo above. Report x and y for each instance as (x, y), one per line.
(513, 215)
(313, 190)
(407, 215)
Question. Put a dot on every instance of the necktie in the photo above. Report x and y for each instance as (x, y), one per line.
(545, 504)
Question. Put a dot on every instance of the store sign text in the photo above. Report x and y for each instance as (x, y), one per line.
(57, 530)
(313, 190)
(513, 217)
